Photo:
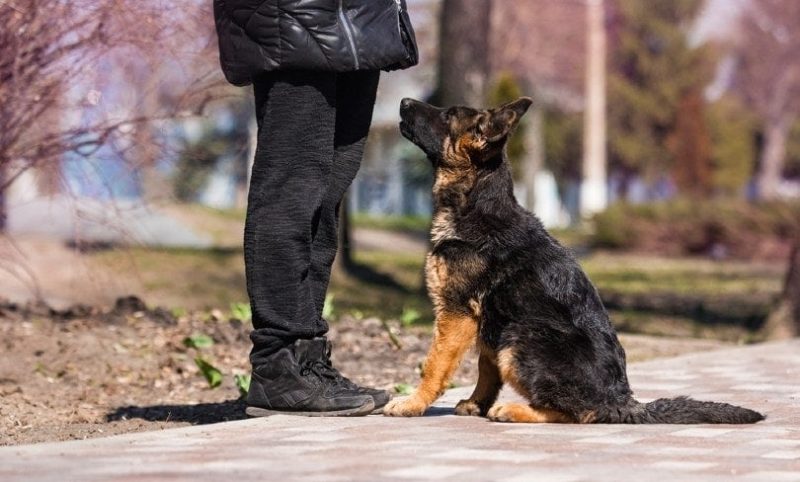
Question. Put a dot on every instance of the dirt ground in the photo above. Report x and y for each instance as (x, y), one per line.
(84, 372)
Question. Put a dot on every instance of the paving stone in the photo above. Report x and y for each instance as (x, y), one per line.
(442, 446)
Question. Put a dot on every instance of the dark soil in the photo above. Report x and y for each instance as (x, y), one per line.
(86, 372)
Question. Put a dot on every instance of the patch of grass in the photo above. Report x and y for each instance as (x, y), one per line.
(198, 341)
(191, 279)
(572, 236)
(202, 279)
(354, 296)
(242, 382)
(328, 307)
(211, 373)
(241, 311)
(393, 223)
(644, 274)
(404, 389)
(648, 323)
(409, 316)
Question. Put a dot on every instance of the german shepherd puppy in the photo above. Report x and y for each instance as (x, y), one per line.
(495, 276)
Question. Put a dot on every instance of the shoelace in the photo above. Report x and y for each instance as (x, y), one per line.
(324, 368)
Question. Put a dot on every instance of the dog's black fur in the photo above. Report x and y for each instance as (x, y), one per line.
(532, 302)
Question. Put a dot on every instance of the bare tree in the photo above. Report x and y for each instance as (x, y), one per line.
(55, 56)
(768, 46)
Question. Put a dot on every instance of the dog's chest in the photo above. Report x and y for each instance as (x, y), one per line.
(443, 226)
(453, 274)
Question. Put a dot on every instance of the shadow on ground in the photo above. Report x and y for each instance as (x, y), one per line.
(368, 274)
(196, 414)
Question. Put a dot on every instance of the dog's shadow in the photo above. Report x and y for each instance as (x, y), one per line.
(439, 411)
(195, 414)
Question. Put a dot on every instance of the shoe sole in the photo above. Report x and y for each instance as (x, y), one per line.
(379, 408)
(361, 411)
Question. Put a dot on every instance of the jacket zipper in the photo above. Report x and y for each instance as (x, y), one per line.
(348, 32)
(399, 12)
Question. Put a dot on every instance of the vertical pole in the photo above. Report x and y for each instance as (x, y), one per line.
(534, 157)
(594, 195)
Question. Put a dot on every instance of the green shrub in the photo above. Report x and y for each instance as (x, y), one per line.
(611, 230)
(724, 227)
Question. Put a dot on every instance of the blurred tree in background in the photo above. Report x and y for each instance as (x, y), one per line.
(54, 58)
(218, 146)
(507, 89)
(653, 70)
(768, 48)
(792, 167)
(563, 137)
(733, 137)
(690, 146)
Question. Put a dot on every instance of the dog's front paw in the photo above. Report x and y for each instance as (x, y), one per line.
(469, 408)
(404, 408)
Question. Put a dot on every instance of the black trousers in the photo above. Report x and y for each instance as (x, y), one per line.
(311, 132)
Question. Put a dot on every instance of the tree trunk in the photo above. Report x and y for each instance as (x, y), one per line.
(3, 207)
(464, 52)
(594, 187)
(534, 158)
(784, 322)
(773, 156)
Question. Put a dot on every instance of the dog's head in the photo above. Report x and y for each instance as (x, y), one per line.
(460, 136)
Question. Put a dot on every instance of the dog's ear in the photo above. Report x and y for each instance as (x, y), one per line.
(500, 122)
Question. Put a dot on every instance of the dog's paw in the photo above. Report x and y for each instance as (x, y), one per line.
(503, 412)
(495, 414)
(468, 408)
(404, 408)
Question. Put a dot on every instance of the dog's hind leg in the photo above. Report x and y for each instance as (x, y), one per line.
(487, 388)
(452, 337)
(521, 413)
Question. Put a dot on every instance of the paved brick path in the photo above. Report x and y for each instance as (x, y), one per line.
(441, 446)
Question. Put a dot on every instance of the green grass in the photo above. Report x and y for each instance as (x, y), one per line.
(393, 223)
(354, 295)
(180, 278)
(203, 279)
(694, 276)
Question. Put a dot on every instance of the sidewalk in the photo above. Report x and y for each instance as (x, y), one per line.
(442, 446)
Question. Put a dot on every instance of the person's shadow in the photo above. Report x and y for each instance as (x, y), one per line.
(206, 413)
(196, 414)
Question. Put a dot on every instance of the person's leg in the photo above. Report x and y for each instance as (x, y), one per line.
(292, 174)
(296, 114)
(355, 99)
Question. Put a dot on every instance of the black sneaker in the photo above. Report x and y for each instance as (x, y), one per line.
(299, 380)
(379, 397)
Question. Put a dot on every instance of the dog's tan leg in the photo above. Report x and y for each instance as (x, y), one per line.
(521, 413)
(452, 337)
(487, 388)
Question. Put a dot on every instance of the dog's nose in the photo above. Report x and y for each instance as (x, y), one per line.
(406, 103)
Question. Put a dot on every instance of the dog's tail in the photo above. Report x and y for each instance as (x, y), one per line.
(681, 410)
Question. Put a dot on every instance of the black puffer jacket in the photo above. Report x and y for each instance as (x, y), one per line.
(256, 36)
